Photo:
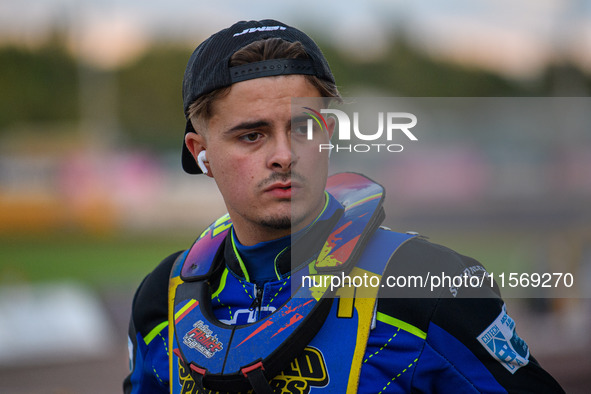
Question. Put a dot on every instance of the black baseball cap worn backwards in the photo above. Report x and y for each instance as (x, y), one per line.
(208, 67)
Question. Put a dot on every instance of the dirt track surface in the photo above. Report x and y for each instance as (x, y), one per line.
(85, 377)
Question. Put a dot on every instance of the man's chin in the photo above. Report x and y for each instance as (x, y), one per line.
(289, 219)
(285, 222)
(277, 223)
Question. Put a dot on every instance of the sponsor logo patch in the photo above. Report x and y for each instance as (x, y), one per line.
(501, 340)
(247, 315)
(308, 370)
(201, 339)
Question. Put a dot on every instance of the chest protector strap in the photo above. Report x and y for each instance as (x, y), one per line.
(242, 357)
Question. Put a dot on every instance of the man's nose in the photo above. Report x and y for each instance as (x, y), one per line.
(281, 157)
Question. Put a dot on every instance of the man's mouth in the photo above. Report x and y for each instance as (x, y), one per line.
(282, 189)
(280, 185)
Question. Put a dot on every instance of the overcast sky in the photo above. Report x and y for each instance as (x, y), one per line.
(516, 37)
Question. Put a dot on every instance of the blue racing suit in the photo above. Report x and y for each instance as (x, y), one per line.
(418, 344)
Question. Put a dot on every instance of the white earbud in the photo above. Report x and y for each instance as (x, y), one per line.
(201, 159)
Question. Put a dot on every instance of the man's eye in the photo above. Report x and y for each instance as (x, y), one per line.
(251, 137)
(304, 130)
(299, 130)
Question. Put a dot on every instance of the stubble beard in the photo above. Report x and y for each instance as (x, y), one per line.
(280, 220)
(291, 220)
(276, 223)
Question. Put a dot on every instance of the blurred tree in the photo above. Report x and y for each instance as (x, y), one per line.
(38, 85)
(150, 99)
(43, 85)
(404, 71)
(565, 80)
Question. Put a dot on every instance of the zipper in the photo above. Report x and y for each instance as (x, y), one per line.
(258, 299)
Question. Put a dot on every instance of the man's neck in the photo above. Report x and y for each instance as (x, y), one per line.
(252, 235)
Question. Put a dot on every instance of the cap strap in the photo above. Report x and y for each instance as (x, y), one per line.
(268, 68)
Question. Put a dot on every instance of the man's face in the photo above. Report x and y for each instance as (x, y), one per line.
(260, 165)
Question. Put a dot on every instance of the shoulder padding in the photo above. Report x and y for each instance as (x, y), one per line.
(150, 306)
(418, 305)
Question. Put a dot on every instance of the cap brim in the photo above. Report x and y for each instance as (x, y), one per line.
(188, 161)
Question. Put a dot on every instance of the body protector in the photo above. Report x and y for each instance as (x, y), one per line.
(327, 327)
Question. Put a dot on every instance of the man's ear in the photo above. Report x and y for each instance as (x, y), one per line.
(196, 143)
(331, 123)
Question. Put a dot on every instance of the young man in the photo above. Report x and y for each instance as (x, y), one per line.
(230, 313)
